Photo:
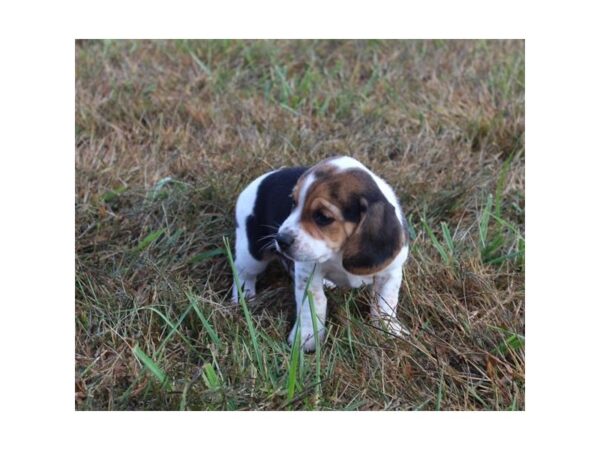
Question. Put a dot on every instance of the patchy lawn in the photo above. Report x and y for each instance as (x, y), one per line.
(169, 132)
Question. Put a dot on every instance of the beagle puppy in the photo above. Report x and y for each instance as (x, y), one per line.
(334, 223)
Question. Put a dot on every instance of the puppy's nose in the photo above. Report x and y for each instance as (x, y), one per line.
(284, 240)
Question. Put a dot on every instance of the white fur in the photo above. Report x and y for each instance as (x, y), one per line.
(313, 256)
(305, 248)
(246, 265)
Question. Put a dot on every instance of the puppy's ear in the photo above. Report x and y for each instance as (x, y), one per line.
(376, 240)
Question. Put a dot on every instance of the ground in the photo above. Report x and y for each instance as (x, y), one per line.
(169, 132)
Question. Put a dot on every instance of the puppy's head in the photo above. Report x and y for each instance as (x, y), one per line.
(341, 209)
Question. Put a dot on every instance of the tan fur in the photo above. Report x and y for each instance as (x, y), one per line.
(331, 192)
(336, 233)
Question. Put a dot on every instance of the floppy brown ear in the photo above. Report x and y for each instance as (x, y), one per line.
(376, 240)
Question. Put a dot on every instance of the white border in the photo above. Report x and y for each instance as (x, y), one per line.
(38, 221)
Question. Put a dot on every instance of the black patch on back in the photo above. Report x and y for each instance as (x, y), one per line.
(273, 204)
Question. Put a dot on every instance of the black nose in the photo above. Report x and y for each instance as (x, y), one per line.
(284, 240)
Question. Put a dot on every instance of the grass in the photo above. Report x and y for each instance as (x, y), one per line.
(169, 132)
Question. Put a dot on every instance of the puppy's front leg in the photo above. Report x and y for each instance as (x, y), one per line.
(302, 275)
(386, 288)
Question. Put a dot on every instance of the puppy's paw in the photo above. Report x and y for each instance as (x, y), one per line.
(327, 284)
(307, 338)
(249, 295)
(393, 326)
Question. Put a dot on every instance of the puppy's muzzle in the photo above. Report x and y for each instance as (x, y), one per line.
(284, 240)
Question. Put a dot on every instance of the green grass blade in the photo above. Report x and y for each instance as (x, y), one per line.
(172, 326)
(349, 328)
(175, 329)
(152, 366)
(144, 243)
(508, 225)
(324, 107)
(242, 300)
(500, 259)
(517, 255)
(436, 243)
(200, 64)
(512, 340)
(294, 363)
(205, 323)
(513, 405)
(492, 248)
(314, 318)
(505, 331)
(501, 183)
(286, 90)
(206, 255)
(484, 222)
(210, 377)
(113, 194)
(297, 356)
(448, 238)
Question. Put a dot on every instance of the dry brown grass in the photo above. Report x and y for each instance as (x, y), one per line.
(441, 121)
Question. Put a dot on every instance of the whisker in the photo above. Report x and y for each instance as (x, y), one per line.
(267, 246)
(268, 236)
(272, 227)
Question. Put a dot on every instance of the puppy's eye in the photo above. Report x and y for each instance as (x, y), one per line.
(321, 219)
